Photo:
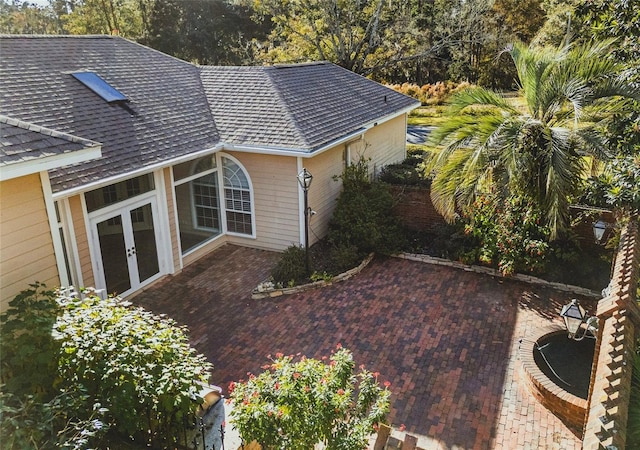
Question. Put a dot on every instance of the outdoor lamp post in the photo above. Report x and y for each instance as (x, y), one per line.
(599, 228)
(305, 178)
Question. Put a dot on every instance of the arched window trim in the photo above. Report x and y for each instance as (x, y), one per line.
(223, 206)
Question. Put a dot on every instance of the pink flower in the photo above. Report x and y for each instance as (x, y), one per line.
(232, 386)
(339, 345)
(340, 391)
(277, 386)
(279, 355)
(402, 427)
(296, 375)
(387, 384)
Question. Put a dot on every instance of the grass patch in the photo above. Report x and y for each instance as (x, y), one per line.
(427, 116)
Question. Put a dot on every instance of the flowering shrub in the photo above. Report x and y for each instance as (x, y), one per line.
(509, 233)
(297, 403)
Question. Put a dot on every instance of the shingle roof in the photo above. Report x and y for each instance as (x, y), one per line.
(298, 107)
(167, 115)
(172, 104)
(21, 142)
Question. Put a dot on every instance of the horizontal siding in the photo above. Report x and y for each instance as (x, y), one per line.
(382, 145)
(324, 189)
(82, 241)
(26, 249)
(275, 190)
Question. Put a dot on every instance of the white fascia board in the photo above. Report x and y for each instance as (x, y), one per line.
(406, 110)
(46, 163)
(134, 173)
(297, 153)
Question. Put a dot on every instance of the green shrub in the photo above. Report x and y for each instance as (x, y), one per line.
(409, 172)
(72, 368)
(509, 233)
(34, 412)
(290, 266)
(345, 257)
(296, 404)
(29, 355)
(363, 215)
(633, 423)
(139, 365)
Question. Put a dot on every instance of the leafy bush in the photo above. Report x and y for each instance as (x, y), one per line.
(29, 354)
(409, 172)
(509, 233)
(291, 266)
(362, 217)
(633, 424)
(72, 368)
(34, 412)
(139, 365)
(294, 405)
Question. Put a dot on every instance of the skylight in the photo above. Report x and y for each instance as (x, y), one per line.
(93, 81)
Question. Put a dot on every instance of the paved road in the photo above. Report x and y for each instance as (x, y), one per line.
(418, 134)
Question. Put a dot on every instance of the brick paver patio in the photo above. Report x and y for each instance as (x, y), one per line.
(446, 339)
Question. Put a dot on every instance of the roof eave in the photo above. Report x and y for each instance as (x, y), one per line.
(141, 171)
(309, 153)
(46, 163)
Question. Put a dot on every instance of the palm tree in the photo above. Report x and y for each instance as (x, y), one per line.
(538, 149)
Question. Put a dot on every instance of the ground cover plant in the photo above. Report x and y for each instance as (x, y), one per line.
(297, 403)
(76, 366)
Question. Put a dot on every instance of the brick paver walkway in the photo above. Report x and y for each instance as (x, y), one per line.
(446, 339)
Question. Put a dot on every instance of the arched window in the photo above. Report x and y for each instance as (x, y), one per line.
(237, 198)
(202, 208)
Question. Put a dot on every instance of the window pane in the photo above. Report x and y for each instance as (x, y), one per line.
(198, 211)
(118, 192)
(189, 168)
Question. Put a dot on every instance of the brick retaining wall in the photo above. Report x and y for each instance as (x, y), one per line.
(414, 208)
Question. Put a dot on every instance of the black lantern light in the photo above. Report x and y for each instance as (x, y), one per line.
(573, 315)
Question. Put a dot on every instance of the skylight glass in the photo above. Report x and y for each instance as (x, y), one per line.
(93, 81)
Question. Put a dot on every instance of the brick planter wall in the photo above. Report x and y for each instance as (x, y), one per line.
(414, 208)
(569, 408)
(619, 320)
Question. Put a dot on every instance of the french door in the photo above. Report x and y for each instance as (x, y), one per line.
(126, 241)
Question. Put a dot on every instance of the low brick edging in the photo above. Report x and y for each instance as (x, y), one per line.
(578, 290)
(571, 409)
(619, 323)
(258, 294)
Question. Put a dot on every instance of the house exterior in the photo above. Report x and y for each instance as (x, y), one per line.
(137, 163)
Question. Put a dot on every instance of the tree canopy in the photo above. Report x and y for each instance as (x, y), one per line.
(537, 149)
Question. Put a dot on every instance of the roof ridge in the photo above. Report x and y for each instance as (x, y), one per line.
(46, 131)
(285, 106)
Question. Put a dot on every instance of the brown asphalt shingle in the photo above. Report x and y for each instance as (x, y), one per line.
(297, 107)
(167, 115)
(21, 142)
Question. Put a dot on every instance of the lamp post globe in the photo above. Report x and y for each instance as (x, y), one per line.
(573, 315)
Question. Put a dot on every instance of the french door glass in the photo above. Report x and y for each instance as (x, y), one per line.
(128, 248)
